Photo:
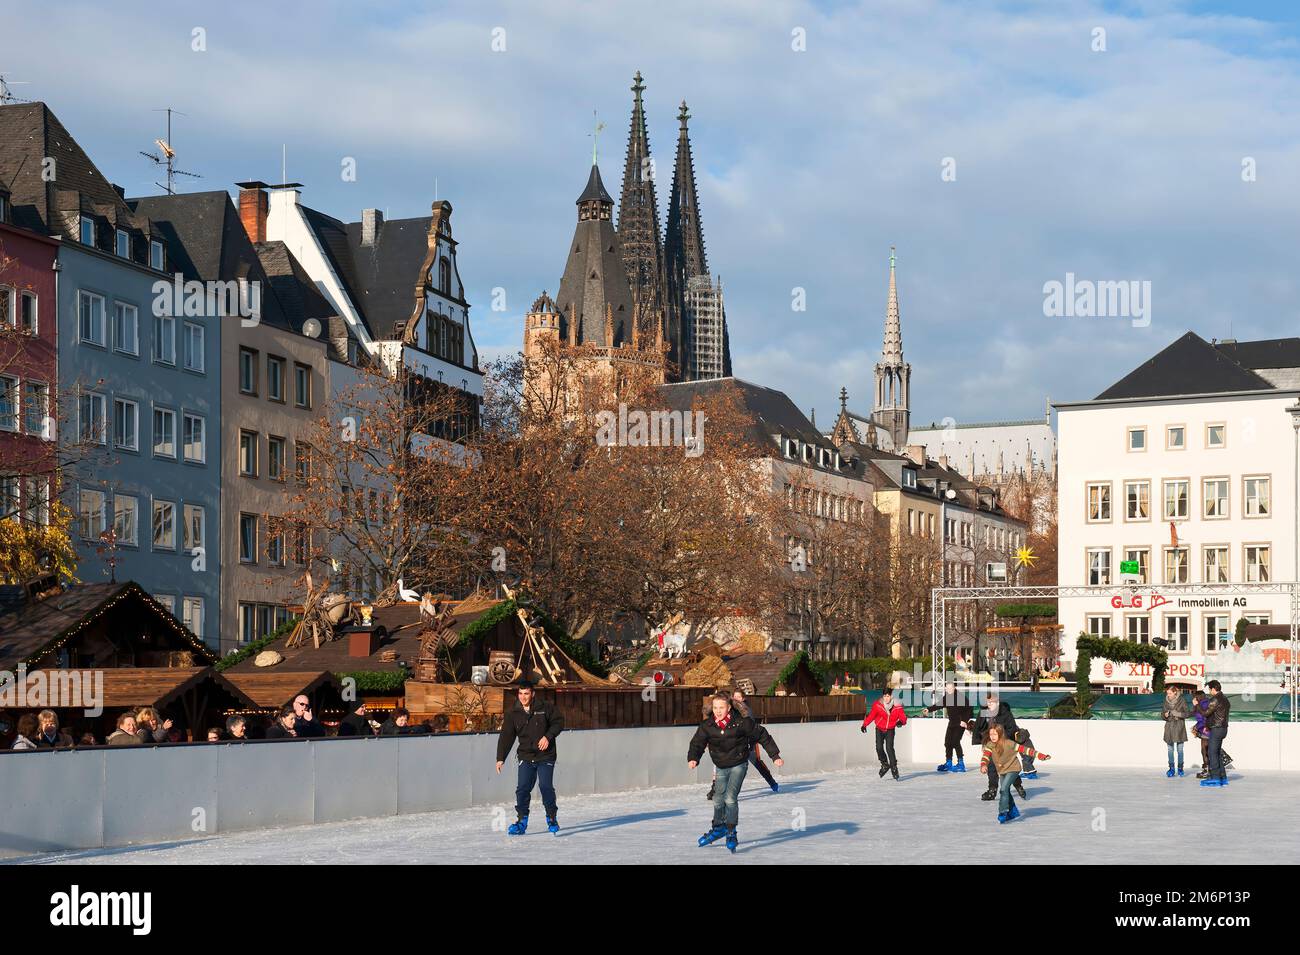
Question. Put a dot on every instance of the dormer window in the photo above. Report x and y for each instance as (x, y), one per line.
(4, 207)
(909, 477)
(155, 255)
(87, 231)
(123, 244)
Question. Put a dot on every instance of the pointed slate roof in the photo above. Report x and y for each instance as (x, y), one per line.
(1188, 366)
(595, 280)
(595, 189)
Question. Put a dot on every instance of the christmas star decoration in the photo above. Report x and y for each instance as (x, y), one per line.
(1025, 557)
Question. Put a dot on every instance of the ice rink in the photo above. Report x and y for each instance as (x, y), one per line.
(1072, 815)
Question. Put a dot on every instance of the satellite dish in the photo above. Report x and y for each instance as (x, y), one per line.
(311, 328)
(950, 494)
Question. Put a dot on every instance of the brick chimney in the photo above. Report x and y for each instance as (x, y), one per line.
(916, 452)
(252, 209)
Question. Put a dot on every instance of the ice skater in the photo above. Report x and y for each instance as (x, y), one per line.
(535, 727)
(1002, 754)
(887, 715)
(1216, 728)
(1200, 704)
(994, 712)
(729, 738)
(959, 720)
(743, 708)
(1174, 712)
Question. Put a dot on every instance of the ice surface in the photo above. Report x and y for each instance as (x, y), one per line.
(1072, 815)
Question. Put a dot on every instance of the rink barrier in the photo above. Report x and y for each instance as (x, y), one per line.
(105, 797)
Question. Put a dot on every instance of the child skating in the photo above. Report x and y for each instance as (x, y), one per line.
(1003, 754)
(959, 716)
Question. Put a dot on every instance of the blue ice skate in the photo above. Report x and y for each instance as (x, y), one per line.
(731, 839)
(1014, 813)
(1170, 773)
(712, 836)
(552, 826)
(1032, 774)
(961, 765)
(519, 826)
(945, 768)
(1211, 782)
(1003, 817)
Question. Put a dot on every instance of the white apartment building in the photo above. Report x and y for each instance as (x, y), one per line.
(1186, 469)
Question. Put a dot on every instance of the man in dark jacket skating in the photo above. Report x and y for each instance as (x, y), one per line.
(535, 726)
(994, 712)
(1216, 727)
(729, 738)
(959, 716)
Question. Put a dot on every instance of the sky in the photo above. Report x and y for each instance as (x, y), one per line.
(999, 146)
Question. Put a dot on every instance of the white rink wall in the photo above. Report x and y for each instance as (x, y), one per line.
(86, 799)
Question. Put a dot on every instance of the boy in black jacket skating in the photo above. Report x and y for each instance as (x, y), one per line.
(959, 720)
(729, 737)
(535, 726)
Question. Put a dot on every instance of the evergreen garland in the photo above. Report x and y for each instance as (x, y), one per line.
(1026, 610)
(1120, 651)
(257, 646)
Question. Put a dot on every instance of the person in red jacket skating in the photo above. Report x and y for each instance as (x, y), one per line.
(888, 715)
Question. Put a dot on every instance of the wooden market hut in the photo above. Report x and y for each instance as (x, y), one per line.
(270, 689)
(776, 673)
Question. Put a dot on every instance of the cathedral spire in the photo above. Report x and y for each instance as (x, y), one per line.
(685, 240)
(891, 410)
(638, 211)
(892, 352)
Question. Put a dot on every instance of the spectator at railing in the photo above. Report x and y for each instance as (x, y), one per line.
(125, 734)
(49, 736)
(28, 728)
(151, 729)
(214, 735)
(88, 739)
(283, 727)
(306, 726)
(236, 729)
(356, 723)
(399, 724)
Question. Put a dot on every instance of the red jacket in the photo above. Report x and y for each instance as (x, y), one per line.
(885, 721)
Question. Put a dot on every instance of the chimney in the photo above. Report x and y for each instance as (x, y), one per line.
(372, 221)
(916, 452)
(252, 209)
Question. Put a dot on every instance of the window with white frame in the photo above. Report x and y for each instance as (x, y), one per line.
(1218, 633)
(1137, 629)
(1257, 618)
(6, 305)
(126, 424)
(126, 328)
(1098, 503)
(1176, 565)
(164, 432)
(8, 403)
(1176, 631)
(1098, 625)
(1215, 493)
(122, 244)
(1177, 494)
(1098, 566)
(164, 525)
(1137, 439)
(167, 601)
(126, 518)
(192, 615)
(248, 453)
(1175, 437)
(1142, 555)
(1258, 565)
(195, 449)
(1256, 501)
(90, 312)
(91, 513)
(1216, 435)
(9, 495)
(195, 523)
(248, 538)
(194, 337)
(87, 232)
(27, 318)
(156, 255)
(1137, 500)
(92, 418)
(164, 339)
(36, 507)
(1216, 563)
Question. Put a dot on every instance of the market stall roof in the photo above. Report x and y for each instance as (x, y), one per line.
(764, 670)
(274, 687)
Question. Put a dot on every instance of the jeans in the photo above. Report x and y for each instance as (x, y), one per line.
(725, 793)
(531, 774)
(1217, 733)
(885, 748)
(1006, 802)
(1171, 754)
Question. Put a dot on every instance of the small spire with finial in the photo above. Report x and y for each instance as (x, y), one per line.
(597, 126)
(844, 399)
(682, 115)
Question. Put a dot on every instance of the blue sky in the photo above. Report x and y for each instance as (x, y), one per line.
(1117, 165)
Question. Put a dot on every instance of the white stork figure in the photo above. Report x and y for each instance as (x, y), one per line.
(408, 596)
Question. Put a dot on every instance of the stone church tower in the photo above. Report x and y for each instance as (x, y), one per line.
(890, 411)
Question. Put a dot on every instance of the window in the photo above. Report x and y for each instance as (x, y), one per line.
(193, 350)
(1176, 569)
(1176, 629)
(1142, 555)
(302, 385)
(92, 417)
(9, 502)
(1099, 625)
(1216, 435)
(192, 615)
(194, 528)
(1175, 437)
(126, 519)
(1256, 497)
(126, 331)
(275, 458)
(1257, 564)
(37, 507)
(248, 453)
(90, 309)
(8, 403)
(274, 543)
(27, 312)
(275, 379)
(1098, 566)
(164, 525)
(1098, 503)
(166, 601)
(248, 538)
(444, 275)
(123, 244)
(91, 509)
(195, 451)
(1137, 629)
(1216, 563)
(87, 234)
(1216, 497)
(126, 420)
(164, 432)
(164, 339)
(301, 544)
(247, 371)
(1217, 632)
(155, 255)
(1137, 500)
(301, 461)
(1177, 495)
(1137, 439)
(6, 305)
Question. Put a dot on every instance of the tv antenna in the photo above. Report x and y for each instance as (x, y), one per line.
(6, 94)
(168, 155)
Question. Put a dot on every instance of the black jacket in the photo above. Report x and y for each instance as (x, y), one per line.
(277, 731)
(390, 728)
(309, 729)
(1004, 718)
(1216, 714)
(730, 747)
(956, 714)
(528, 727)
(355, 725)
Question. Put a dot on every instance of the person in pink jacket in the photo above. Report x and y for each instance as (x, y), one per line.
(888, 715)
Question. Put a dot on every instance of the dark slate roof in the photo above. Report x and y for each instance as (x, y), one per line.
(1268, 353)
(385, 274)
(297, 294)
(1188, 366)
(595, 188)
(594, 277)
(30, 132)
(27, 632)
(206, 240)
(333, 236)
